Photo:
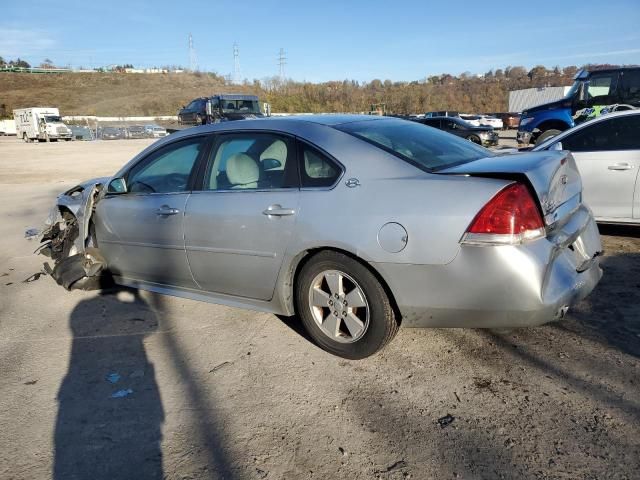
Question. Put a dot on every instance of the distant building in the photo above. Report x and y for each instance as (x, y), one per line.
(520, 100)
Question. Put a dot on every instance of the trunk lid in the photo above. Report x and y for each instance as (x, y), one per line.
(553, 176)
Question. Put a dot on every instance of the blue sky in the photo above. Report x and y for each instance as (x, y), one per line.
(324, 40)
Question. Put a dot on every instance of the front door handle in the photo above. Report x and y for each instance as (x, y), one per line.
(620, 166)
(167, 210)
(278, 211)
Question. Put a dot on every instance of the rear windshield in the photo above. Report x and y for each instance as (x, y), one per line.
(425, 147)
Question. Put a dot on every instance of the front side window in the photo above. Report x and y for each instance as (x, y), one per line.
(602, 88)
(426, 148)
(620, 133)
(251, 161)
(167, 170)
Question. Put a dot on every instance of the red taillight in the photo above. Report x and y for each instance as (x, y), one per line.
(510, 217)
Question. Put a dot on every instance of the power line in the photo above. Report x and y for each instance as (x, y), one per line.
(281, 63)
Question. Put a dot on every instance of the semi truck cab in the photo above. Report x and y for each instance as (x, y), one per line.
(592, 93)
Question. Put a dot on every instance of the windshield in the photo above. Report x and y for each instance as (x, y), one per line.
(240, 106)
(52, 119)
(427, 148)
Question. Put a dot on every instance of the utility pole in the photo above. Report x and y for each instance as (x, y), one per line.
(236, 63)
(193, 60)
(281, 63)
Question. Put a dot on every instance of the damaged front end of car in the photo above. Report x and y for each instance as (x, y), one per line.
(68, 239)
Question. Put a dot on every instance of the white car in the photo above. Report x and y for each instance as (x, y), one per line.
(494, 122)
(155, 131)
(607, 152)
(471, 119)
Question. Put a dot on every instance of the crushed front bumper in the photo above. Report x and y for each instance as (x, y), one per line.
(501, 286)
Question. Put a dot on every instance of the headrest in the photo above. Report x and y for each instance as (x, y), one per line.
(242, 171)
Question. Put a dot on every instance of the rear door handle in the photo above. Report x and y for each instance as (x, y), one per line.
(278, 211)
(620, 166)
(167, 210)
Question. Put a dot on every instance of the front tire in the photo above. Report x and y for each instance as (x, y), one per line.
(474, 139)
(343, 306)
(547, 134)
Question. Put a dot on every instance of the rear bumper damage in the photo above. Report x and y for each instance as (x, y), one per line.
(502, 286)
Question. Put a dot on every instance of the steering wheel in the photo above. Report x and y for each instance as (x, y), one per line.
(175, 182)
(141, 187)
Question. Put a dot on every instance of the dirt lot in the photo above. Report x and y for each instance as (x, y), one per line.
(218, 392)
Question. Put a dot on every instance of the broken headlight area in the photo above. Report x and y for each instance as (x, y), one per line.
(76, 265)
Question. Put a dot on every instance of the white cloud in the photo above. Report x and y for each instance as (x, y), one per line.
(19, 42)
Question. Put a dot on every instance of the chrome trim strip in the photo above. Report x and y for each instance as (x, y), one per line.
(145, 245)
(231, 251)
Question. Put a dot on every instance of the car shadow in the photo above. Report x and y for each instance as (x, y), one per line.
(110, 414)
(619, 230)
(611, 313)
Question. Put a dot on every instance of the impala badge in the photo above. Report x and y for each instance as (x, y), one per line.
(352, 183)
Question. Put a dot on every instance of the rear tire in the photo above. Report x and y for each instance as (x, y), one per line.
(343, 306)
(547, 134)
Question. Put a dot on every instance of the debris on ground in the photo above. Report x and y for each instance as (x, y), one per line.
(122, 393)
(446, 420)
(113, 377)
(34, 277)
(219, 366)
(457, 397)
(31, 382)
(394, 466)
(31, 233)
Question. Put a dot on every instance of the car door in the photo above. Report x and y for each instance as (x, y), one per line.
(140, 231)
(452, 127)
(238, 225)
(608, 157)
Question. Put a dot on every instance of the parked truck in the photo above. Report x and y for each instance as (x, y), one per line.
(220, 108)
(593, 93)
(41, 124)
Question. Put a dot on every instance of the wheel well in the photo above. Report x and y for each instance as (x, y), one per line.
(553, 124)
(309, 254)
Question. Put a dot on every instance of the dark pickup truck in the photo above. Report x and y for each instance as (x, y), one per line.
(220, 108)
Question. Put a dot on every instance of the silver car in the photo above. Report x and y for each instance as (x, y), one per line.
(607, 152)
(355, 223)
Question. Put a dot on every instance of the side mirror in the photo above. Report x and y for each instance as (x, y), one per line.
(208, 108)
(556, 146)
(117, 185)
(271, 164)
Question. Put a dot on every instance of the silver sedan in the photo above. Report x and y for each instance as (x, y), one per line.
(357, 224)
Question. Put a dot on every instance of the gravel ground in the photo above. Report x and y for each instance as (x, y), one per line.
(217, 392)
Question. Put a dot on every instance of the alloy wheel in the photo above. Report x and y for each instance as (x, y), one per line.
(339, 306)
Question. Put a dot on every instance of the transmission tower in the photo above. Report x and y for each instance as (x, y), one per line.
(236, 63)
(193, 60)
(282, 61)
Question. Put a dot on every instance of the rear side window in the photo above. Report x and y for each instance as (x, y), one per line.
(620, 133)
(426, 148)
(316, 169)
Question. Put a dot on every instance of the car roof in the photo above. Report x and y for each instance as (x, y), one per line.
(601, 118)
(331, 119)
